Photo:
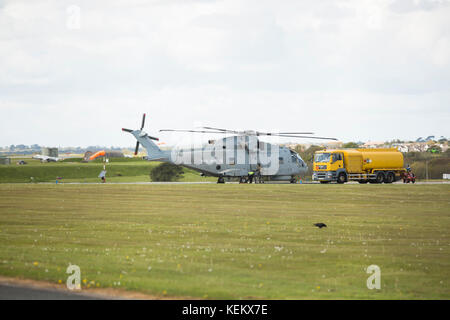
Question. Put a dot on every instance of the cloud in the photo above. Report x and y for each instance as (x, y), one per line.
(406, 6)
(233, 63)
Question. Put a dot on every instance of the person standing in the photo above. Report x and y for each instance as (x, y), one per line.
(258, 178)
(102, 176)
(251, 174)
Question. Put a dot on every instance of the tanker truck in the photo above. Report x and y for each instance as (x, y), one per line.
(362, 165)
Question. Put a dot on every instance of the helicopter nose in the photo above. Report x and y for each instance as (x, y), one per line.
(303, 165)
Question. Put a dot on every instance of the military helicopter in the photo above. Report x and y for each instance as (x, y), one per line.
(233, 156)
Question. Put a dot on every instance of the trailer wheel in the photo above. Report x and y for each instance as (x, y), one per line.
(379, 178)
(341, 178)
(390, 177)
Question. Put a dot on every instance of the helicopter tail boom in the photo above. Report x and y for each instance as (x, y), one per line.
(153, 151)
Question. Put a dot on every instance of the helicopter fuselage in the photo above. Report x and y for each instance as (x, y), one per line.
(233, 156)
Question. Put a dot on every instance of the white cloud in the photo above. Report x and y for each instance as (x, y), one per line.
(282, 65)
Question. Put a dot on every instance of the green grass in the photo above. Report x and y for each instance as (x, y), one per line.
(118, 170)
(232, 241)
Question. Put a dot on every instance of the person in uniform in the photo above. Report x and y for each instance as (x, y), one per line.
(251, 174)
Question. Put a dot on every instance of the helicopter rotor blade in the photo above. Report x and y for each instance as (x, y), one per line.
(258, 133)
(225, 130)
(304, 137)
(153, 138)
(295, 132)
(143, 121)
(251, 133)
(137, 148)
(195, 131)
(219, 129)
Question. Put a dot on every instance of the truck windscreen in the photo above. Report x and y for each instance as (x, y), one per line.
(322, 157)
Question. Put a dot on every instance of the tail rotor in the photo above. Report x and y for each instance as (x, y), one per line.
(141, 133)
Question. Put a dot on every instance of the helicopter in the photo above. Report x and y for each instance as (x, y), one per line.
(233, 156)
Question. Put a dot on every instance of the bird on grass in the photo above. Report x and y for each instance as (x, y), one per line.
(320, 225)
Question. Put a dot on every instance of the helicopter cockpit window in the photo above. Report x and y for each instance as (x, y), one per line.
(300, 160)
(293, 156)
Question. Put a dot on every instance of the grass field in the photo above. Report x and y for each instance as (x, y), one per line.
(72, 170)
(232, 241)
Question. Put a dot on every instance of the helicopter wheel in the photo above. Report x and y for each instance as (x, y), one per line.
(221, 180)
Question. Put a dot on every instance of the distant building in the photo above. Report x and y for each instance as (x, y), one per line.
(332, 144)
(114, 154)
(306, 146)
(374, 144)
(50, 152)
(401, 148)
(4, 160)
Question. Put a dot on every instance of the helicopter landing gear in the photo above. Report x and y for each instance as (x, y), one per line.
(221, 180)
(242, 180)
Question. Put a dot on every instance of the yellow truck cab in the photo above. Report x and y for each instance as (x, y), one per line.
(362, 165)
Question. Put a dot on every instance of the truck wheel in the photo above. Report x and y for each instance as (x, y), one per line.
(380, 177)
(341, 178)
(390, 177)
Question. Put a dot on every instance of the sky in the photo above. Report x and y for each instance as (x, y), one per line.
(73, 73)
